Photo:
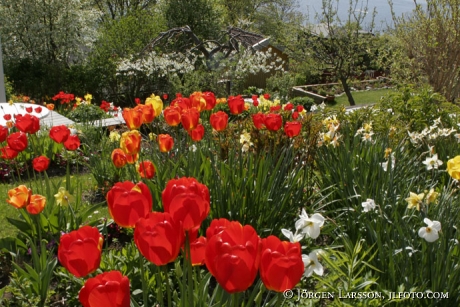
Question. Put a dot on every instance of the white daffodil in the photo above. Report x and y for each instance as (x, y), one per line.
(312, 264)
(293, 237)
(310, 226)
(432, 162)
(430, 232)
(368, 205)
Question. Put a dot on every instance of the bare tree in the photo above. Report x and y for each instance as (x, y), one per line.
(430, 40)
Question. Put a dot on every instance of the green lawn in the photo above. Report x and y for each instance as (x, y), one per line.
(6, 210)
(362, 98)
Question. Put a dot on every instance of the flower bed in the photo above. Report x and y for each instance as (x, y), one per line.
(226, 203)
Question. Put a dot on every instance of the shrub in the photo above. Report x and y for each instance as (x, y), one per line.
(306, 102)
(86, 113)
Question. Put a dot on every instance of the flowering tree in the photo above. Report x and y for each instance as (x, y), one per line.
(50, 31)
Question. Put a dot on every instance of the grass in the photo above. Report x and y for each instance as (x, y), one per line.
(362, 98)
(6, 210)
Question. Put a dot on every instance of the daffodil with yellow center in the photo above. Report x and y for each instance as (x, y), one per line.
(415, 200)
(114, 136)
(63, 197)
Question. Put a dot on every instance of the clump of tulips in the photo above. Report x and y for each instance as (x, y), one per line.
(233, 253)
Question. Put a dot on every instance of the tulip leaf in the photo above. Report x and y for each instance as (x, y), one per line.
(21, 225)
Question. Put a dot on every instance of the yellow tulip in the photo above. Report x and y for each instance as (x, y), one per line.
(156, 102)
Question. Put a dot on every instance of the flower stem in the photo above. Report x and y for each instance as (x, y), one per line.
(144, 281)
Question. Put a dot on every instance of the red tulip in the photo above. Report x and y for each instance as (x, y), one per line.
(232, 257)
(275, 108)
(137, 101)
(29, 109)
(172, 116)
(80, 250)
(186, 200)
(128, 202)
(36, 204)
(110, 289)
(131, 159)
(38, 110)
(236, 104)
(132, 117)
(130, 142)
(292, 129)
(166, 142)
(119, 158)
(146, 169)
(299, 108)
(219, 120)
(3, 133)
(210, 100)
(198, 101)
(182, 103)
(197, 133)
(216, 226)
(273, 122)
(59, 134)
(295, 115)
(72, 143)
(158, 237)
(27, 123)
(259, 120)
(190, 118)
(8, 153)
(198, 250)
(40, 163)
(267, 96)
(281, 265)
(165, 96)
(288, 107)
(17, 141)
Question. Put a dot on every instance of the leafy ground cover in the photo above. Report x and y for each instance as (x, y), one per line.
(365, 202)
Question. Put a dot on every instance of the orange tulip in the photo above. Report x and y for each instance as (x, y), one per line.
(166, 142)
(50, 106)
(19, 197)
(37, 204)
(132, 117)
(130, 142)
(172, 115)
(198, 101)
(148, 113)
(119, 158)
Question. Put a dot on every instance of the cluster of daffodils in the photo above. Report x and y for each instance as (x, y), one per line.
(265, 103)
(245, 140)
(418, 200)
(307, 227)
(431, 133)
(315, 107)
(365, 132)
(332, 136)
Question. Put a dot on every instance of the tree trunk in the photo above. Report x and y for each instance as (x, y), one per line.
(347, 91)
